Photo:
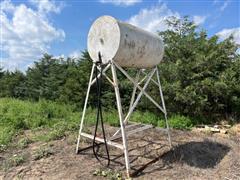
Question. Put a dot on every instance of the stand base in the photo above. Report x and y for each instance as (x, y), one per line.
(111, 142)
(124, 131)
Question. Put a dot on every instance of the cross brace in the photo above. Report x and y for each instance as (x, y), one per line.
(134, 101)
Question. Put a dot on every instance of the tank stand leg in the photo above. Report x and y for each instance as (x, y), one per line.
(164, 108)
(84, 108)
(121, 119)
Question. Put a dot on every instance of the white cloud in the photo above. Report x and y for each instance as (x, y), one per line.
(46, 6)
(7, 5)
(225, 5)
(76, 54)
(121, 2)
(26, 33)
(62, 56)
(199, 19)
(153, 19)
(225, 33)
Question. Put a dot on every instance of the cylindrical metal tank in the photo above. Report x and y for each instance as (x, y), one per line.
(127, 45)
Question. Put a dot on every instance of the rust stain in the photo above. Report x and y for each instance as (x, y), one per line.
(129, 44)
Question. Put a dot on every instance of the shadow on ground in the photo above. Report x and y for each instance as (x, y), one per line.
(204, 154)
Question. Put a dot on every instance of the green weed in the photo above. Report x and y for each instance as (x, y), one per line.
(43, 152)
(59, 119)
(17, 115)
(177, 122)
(24, 142)
(13, 161)
(108, 173)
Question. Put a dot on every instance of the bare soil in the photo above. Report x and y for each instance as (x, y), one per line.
(195, 156)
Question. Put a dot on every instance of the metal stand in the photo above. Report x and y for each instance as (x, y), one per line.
(134, 101)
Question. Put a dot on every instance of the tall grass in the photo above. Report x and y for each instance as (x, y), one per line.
(17, 115)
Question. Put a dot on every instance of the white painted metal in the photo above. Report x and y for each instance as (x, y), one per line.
(132, 125)
(84, 108)
(146, 94)
(133, 104)
(120, 114)
(109, 142)
(151, 80)
(135, 130)
(164, 107)
(143, 79)
(145, 127)
(123, 43)
(134, 89)
(105, 75)
(139, 95)
(104, 70)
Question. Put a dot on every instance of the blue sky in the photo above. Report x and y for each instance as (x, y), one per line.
(30, 28)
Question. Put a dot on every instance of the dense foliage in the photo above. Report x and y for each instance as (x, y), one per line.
(200, 77)
(200, 74)
(58, 119)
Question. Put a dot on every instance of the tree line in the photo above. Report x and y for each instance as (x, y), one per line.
(199, 74)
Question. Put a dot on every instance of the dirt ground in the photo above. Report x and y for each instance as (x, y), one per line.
(195, 156)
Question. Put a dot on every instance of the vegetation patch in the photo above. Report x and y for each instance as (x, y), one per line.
(15, 160)
(24, 142)
(108, 173)
(55, 120)
(177, 122)
(43, 152)
(17, 115)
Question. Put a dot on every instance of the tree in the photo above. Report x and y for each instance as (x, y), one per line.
(193, 68)
(10, 83)
(75, 84)
(45, 78)
(1, 72)
(199, 74)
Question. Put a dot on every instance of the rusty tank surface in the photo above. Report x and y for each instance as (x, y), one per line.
(123, 43)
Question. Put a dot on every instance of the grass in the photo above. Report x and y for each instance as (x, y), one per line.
(43, 152)
(59, 119)
(24, 142)
(17, 115)
(13, 161)
(108, 173)
(178, 122)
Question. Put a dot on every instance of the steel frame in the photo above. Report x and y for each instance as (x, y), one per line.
(133, 103)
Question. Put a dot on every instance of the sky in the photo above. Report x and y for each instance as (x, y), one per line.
(32, 27)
